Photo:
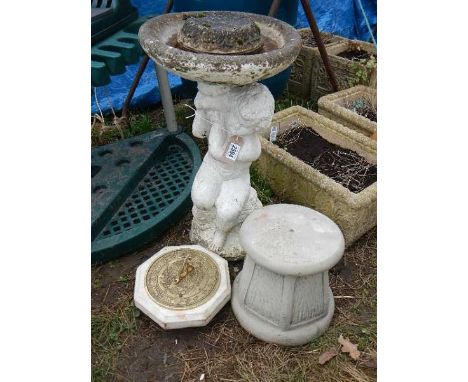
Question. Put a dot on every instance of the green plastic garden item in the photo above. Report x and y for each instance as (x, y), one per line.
(108, 16)
(140, 187)
(110, 56)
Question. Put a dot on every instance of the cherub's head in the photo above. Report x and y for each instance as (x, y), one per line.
(252, 110)
(209, 102)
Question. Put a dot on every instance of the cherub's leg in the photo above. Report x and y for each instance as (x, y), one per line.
(234, 194)
(206, 188)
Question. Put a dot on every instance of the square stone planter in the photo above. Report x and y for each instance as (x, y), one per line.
(348, 73)
(301, 70)
(297, 182)
(335, 106)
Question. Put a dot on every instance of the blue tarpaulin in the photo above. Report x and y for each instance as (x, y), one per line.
(341, 17)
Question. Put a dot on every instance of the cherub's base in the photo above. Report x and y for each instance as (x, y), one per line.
(204, 226)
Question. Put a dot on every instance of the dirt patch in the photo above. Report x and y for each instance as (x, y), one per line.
(342, 165)
(223, 350)
(356, 54)
(366, 107)
(127, 346)
(367, 112)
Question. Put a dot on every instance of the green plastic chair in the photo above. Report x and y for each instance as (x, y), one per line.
(108, 16)
(110, 56)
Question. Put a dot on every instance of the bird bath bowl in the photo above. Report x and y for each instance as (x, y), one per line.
(280, 46)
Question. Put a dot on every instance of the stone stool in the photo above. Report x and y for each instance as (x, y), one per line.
(282, 294)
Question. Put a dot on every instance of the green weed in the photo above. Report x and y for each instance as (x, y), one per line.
(109, 332)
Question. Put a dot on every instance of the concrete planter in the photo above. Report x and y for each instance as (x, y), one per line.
(336, 107)
(348, 73)
(301, 70)
(297, 182)
(309, 79)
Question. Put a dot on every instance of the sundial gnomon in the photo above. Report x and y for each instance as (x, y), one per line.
(182, 280)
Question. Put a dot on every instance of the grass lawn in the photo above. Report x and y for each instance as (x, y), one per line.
(128, 346)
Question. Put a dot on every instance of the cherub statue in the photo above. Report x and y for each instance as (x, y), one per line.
(231, 118)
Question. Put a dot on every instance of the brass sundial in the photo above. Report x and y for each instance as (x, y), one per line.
(182, 279)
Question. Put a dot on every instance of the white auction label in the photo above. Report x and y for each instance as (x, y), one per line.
(232, 151)
(273, 133)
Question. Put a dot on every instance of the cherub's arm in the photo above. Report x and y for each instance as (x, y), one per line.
(200, 127)
(217, 141)
(251, 148)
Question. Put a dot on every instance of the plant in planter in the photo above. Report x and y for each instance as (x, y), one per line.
(323, 165)
(355, 108)
(301, 70)
(364, 71)
(353, 62)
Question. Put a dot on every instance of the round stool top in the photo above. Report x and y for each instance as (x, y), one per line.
(292, 240)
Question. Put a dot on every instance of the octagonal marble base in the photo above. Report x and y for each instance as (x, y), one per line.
(168, 318)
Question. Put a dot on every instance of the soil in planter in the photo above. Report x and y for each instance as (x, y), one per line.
(367, 112)
(363, 108)
(344, 166)
(309, 40)
(355, 54)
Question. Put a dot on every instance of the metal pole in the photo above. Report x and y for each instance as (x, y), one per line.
(134, 85)
(321, 47)
(166, 98)
(274, 8)
(168, 6)
(139, 73)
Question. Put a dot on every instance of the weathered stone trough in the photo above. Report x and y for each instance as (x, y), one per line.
(308, 76)
(334, 106)
(300, 80)
(297, 182)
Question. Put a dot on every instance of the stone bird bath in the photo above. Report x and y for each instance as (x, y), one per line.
(226, 53)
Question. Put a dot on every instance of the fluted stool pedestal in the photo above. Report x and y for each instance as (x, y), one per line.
(282, 294)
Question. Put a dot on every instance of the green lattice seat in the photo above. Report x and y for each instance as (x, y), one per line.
(140, 187)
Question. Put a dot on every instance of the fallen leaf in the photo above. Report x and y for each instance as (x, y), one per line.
(327, 356)
(348, 347)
